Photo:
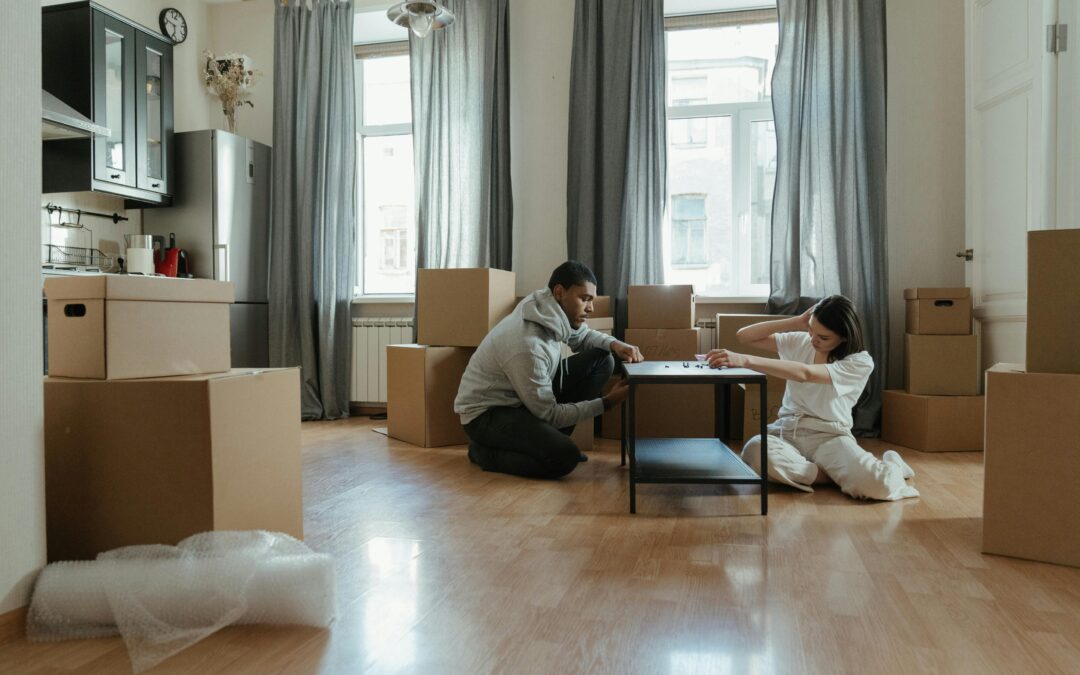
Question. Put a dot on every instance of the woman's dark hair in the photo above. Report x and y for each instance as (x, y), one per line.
(837, 313)
(571, 273)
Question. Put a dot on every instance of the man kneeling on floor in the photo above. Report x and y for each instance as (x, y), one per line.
(519, 399)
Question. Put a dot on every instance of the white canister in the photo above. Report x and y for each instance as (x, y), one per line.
(140, 261)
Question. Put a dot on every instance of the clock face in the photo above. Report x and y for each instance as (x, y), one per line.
(173, 25)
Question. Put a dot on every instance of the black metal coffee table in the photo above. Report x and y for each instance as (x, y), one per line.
(691, 460)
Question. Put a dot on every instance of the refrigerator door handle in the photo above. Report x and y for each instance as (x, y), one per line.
(221, 251)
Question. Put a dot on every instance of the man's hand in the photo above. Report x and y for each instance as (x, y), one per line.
(618, 393)
(626, 353)
(722, 358)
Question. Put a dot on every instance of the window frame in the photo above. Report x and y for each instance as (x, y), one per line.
(743, 115)
(361, 53)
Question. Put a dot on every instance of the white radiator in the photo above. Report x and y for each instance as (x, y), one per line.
(370, 338)
(706, 336)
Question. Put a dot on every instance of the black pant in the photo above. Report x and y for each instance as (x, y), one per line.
(513, 440)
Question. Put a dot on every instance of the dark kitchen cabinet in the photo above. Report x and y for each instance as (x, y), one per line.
(118, 74)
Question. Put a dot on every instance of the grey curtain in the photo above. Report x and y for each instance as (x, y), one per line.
(828, 227)
(461, 139)
(616, 180)
(313, 206)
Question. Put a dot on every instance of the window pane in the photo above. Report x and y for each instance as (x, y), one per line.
(699, 234)
(389, 222)
(387, 97)
(729, 64)
(762, 179)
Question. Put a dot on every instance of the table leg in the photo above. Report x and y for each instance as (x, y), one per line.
(622, 432)
(631, 432)
(721, 412)
(764, 403)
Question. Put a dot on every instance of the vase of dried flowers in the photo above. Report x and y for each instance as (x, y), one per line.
(230, 77)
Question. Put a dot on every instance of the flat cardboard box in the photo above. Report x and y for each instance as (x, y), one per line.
(941, 365)
(602, 307)
(116, 327)
(728, 326)
(458, 307)
(153, 461)
(421, 385)
(938, 311)
(933, 423)
(1053, 301)
(661, 306)
(1031, 465)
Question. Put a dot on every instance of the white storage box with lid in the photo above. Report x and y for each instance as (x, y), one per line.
(115, 327)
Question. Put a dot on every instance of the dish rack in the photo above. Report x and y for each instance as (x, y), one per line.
(77, 256)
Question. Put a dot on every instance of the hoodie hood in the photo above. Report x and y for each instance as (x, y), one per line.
(542, 308)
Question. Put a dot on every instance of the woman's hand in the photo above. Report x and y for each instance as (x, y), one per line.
(722, 358)
(804, 318)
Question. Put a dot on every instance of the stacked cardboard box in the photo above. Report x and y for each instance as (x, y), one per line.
(940, 409)
(661, 324)
(1032, 457)
(455, 310)
(149, 436)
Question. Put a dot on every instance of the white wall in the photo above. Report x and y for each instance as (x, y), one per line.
(541, 38)
(22, 478)
(925, 138)
(247, 28)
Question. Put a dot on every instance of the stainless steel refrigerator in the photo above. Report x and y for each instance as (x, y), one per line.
(221, 217)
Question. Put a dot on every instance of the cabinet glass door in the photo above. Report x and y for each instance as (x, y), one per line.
(113, 103)
(153, 107)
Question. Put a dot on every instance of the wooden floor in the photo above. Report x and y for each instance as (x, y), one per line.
(444, 568)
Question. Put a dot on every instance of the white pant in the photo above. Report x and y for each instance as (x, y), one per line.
(796, 455)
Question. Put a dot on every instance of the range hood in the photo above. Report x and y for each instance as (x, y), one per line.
(59, 120)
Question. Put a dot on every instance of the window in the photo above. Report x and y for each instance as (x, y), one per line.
(721, 152)
(386, 213)
(688, 231)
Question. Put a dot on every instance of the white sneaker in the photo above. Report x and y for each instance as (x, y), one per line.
(893, 457)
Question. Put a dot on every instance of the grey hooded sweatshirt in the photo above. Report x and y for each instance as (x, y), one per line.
(518, 360)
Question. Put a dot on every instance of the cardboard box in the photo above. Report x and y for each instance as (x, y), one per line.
(938, 311)
(727, 328)
(603, 307)
(664, 344)
(745, 407)
(661, 306)
(153, 461)
(421, 385)
(583, 435)
(1053, 301)
(667, 411)
(1032, 465)
(115, 327)
(602, 324)
(458, 307)
(933, 423)
(941, 365)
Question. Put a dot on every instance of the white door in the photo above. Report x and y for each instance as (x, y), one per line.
(1011, 83)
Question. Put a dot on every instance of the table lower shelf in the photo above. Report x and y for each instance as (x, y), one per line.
(689, 460)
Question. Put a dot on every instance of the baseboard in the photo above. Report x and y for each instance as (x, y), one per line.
(363, 410)
(13, 625)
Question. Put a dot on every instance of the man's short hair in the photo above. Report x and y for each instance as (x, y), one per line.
(571, 273)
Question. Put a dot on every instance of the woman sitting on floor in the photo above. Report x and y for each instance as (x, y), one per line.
(822, 359)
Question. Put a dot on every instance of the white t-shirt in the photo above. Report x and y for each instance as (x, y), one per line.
(829, 402)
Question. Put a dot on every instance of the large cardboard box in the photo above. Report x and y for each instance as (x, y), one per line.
(664, 344)
(1031, 465)
(583, 434)
(602, 324)
(1053, 301)
(727, 329)
(421, 385)
(458, 307)
(115, 327)
(941, 365)
(661, 306)
(933, 423)
(745, 406)
(938, 311)
(153, 461)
